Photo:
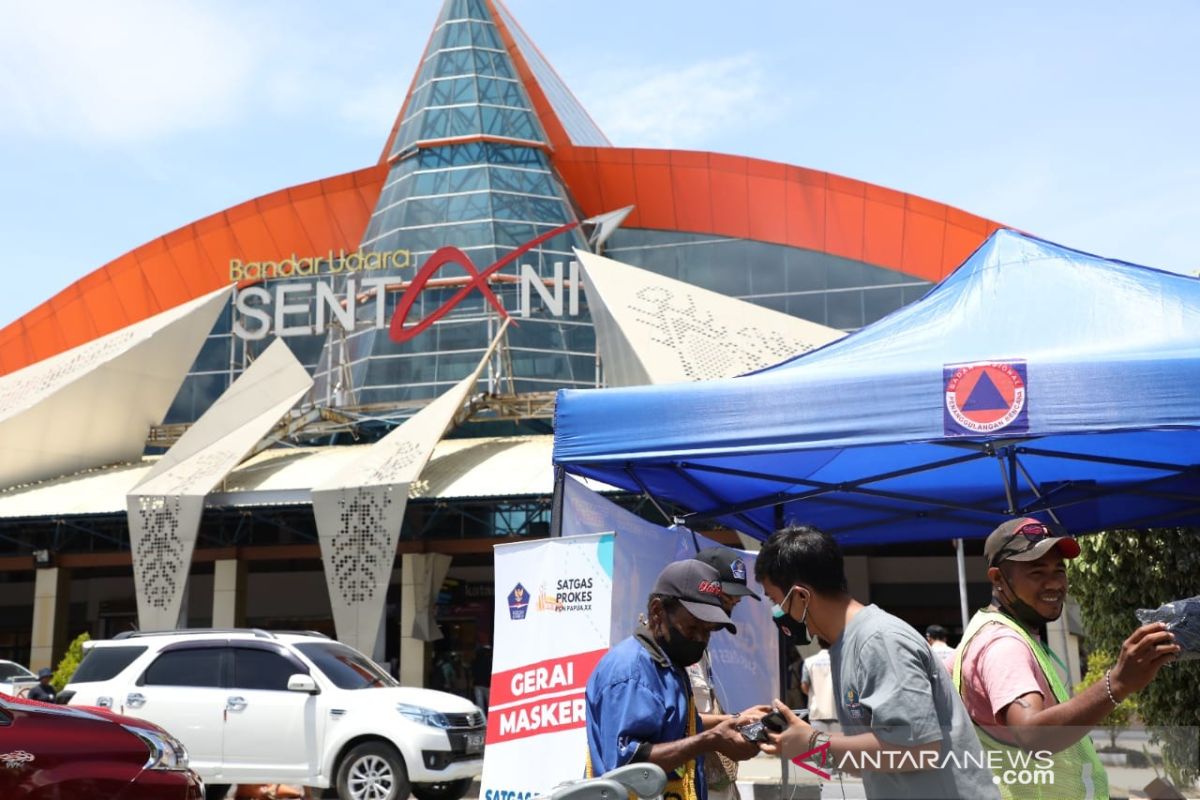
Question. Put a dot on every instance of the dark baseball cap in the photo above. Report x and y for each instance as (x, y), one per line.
(732, 569)
(1027, 539)
(698, 588)
(45, 672)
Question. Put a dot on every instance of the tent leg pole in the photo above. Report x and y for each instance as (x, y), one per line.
(784, 644)
(556, 502)
(783, 695)
(962, 582)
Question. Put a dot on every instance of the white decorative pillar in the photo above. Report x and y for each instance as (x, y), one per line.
(412, 651)
(421, 578)
(162, 535)
(51, 595)
(360, 510)
(165, 507)
(358, 529)
(229, 593)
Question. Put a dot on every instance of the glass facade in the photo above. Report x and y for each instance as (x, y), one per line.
(837, 292)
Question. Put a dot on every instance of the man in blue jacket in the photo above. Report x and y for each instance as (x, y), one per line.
(639, 700)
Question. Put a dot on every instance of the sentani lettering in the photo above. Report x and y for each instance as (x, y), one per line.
(289, 311)
(302, 308)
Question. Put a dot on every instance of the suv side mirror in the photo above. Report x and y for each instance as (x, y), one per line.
(303, 683)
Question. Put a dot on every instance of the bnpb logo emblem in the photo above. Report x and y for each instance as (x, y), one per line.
(985, 397)
(518, 602)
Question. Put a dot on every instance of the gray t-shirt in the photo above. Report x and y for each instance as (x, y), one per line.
(886, 681)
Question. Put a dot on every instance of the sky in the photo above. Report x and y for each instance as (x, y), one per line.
(1074, 121)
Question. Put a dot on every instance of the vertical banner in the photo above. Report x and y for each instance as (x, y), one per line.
(745, 666)
(553, 620)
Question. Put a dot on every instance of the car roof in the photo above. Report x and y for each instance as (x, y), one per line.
(205, 634)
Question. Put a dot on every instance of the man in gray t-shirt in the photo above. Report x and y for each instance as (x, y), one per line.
(887, 681)
(905, 728)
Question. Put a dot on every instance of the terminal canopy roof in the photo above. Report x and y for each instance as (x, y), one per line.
(1035, 379)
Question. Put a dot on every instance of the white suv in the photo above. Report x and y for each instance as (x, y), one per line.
(259, 707)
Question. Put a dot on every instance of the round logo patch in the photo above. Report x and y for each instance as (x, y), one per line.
(985, 398)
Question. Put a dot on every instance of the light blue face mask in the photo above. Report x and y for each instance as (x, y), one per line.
(787, 625)
(777, 611)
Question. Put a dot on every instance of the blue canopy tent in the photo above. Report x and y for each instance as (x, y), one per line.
(1034, 380)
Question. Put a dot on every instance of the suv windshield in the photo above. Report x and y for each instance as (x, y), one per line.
(8, 671)
(345, 666)
(104, 663)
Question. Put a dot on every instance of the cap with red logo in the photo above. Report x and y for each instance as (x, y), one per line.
(732, 569)
(698, 588)
(1027, 539)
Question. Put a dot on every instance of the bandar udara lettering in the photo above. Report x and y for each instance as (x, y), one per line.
(327, 264)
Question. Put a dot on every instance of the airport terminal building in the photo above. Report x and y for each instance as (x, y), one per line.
(165, 454)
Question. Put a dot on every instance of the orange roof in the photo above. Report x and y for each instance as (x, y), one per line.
(750, 198)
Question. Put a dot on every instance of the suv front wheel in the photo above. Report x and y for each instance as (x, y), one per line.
(373, 771)
(450, 790)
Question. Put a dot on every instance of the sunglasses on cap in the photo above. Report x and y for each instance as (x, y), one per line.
(1033, 532)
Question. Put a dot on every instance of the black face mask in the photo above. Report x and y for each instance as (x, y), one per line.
(682, 651)
(793, 632)
(1017, 608)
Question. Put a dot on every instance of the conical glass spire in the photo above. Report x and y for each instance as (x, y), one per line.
(466, 85)
(469, 169)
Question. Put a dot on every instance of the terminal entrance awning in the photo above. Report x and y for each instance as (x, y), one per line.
(484, 468)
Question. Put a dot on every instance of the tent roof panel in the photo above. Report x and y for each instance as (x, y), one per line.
(1032, 370)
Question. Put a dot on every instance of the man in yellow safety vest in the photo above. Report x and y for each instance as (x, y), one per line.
(1025, 718)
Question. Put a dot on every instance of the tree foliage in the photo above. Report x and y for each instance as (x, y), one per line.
(69, 662)
(1119, 572)
(1119, 718)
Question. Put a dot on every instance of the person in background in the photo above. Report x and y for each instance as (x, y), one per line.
(902, 720)
(720, 771)
(936, 635)
(481, 672)
(44, 690)
(817, 682)
(639, 703)
(1007, 677)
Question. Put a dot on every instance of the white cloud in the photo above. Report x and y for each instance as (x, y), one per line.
(120, 72)
(681, 107)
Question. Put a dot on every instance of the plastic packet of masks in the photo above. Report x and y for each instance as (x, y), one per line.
(1183, 620)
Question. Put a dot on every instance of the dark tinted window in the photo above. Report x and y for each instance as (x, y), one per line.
(185, 668)
(345, 666)
(105, 663)
(12, 671)
(261, 669)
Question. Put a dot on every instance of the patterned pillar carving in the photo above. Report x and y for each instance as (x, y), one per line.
(162, 533)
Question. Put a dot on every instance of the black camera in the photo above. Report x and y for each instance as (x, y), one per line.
(772, 722)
